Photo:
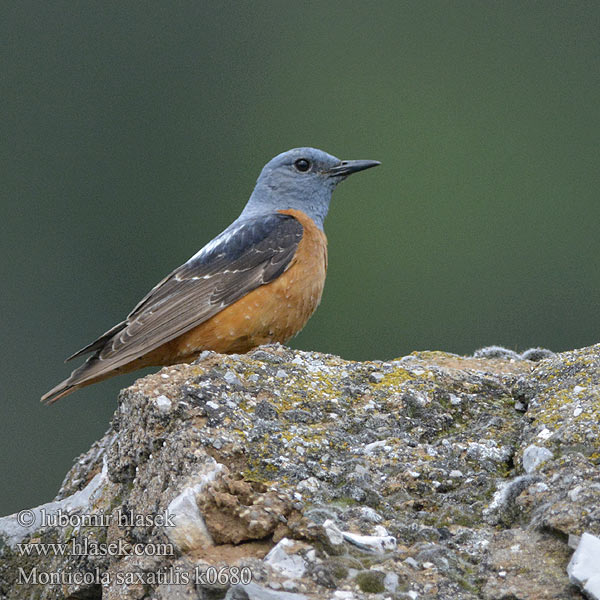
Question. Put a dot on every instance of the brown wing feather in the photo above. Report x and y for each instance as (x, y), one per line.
(198, 290)
(242, 258)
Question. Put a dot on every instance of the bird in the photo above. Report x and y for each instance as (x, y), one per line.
(257, 282)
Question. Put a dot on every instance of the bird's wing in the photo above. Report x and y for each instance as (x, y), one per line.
(245, 256)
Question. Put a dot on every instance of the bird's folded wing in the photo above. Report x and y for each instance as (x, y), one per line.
(245, 256)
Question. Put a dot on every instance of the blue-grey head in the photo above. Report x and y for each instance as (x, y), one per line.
(301, 179)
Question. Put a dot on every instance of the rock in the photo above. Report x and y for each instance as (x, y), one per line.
(532, 354)
(343, 595)
(390, 582)
(496, 352)
(15, 528)
(283, 559)
(371, 543)
(534, 456)
(366, 513)
(537, 354)
(584, 566)
(252, 591)
(187, 529)
(164, 404)
(289, 475)
(334, 536)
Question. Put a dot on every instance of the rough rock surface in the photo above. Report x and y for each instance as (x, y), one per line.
(288, 475)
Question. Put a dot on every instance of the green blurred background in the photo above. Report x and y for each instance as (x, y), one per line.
(132, 133)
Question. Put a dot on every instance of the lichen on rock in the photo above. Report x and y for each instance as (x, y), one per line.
(288, 474)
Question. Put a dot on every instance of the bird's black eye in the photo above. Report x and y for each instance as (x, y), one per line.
(302, 165)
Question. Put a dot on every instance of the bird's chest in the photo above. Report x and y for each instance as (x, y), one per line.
(273, 312)
(297, 292)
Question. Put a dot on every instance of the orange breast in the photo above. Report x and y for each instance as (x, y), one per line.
(273, 312)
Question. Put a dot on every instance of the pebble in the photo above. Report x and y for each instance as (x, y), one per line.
(163, 403)
(373, 543)
(534, 456)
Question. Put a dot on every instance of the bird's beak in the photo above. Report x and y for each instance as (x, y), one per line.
(347, 167)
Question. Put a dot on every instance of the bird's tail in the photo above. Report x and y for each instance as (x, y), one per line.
(89, 372)
(58, 391)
